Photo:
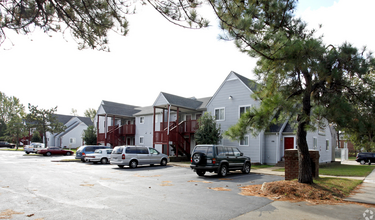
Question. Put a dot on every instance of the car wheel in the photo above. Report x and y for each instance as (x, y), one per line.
(68, 153)
(48, 154)
(369, 162)
(120, 166)
(246, 169)
(104, 160)
(27, 152)
(223, 170)
(362, 162)
(163, 162)
(133, 164)
(83, 160)
(200, 172)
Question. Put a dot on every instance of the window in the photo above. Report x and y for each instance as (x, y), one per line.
(244, 141)
(327, 144)
(72, 140)
(220, 114)
(315, 143)
(141, 140)
(229, 151)
(244, 109)
(237, 153)
(141, 120)
(345, 144)
(153, 151)
(142, 150)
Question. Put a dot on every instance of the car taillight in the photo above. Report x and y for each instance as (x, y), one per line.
(191, 160)
(83, 154)
(213, 160)
(123, 156)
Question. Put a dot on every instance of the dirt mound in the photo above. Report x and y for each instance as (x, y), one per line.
(293, 191)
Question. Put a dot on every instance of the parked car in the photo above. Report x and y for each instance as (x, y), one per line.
(55, 151)
(133, 156)
(218, 159)
(88, 149)
(100, 155)
(33, 147)
(364, 158)
(6, 144)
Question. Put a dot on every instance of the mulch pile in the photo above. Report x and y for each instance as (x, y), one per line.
(294, 192)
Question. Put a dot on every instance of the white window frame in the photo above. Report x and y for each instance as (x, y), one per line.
(327, 145)
(242, 106)
(141, 140)
(248, 141)
(220, 119)
(72, 140)
(315, 143)
(142, 120)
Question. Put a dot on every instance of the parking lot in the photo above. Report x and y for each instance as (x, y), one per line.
(33, 187)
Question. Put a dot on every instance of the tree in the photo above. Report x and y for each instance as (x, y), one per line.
(11, 115)
(16, 129)
(74, 112)
(208, 131)
(90, 135)
(36, 137)
(89, 21)
(90, 113)
(44, 121)
(301, 78)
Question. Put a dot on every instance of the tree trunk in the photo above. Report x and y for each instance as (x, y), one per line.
(304, 161)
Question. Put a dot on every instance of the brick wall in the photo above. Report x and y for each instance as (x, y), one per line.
(291, 163)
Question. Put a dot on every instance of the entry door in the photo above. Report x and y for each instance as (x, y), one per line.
(288, 143)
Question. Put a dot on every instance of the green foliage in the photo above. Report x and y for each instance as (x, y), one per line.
(90, 113)
(302, 79)
(12, 112)
(90, 136)
(44, 120)
(16, 129)
(208, 131)
(36, 137)
(89, 21)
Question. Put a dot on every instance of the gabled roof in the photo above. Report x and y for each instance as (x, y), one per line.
(165, 99)
(248, 83)
(66, 118)
(63, 118)
(86, 120)
(118, 109)
(148, 110)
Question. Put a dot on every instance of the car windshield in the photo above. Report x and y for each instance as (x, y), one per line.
(117, 150)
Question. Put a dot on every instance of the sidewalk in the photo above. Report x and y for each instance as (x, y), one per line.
(366, 194)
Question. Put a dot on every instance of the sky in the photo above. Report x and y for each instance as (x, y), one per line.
(156, 56)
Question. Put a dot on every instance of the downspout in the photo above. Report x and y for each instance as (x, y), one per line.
(169, 116)
(153, 130)
(105, 129)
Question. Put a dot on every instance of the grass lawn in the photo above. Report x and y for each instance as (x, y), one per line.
(346, 170)
(12, 149)
(337, 169)
(337, 186)
(260, 166)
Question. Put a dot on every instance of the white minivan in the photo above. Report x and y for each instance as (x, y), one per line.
(133, 156)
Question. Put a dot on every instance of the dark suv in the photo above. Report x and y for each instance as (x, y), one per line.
(364, 158)
(218, 159)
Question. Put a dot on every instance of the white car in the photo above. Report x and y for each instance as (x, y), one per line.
(100, 155)
(33, 147)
